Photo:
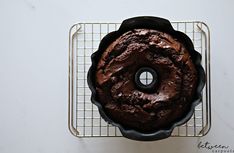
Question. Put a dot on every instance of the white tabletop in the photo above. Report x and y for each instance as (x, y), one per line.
(34, 68)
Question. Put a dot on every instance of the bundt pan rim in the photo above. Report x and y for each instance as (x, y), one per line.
(159, 24)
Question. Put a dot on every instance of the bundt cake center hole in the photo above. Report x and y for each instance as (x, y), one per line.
(146, 79)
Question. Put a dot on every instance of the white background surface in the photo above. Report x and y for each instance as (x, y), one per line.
(34, 67)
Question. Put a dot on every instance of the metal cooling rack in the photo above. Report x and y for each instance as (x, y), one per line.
(84, 119)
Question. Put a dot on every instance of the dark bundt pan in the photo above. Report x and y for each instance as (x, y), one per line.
(159, 24)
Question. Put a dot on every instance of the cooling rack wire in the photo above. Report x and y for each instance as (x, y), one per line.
(83, 117)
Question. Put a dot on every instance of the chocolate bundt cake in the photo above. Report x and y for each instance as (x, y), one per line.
(146, 108)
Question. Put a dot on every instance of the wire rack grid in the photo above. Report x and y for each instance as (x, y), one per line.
(83, 117)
